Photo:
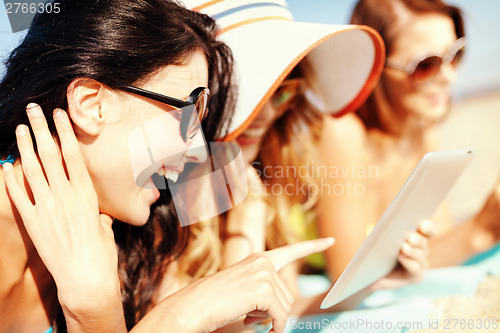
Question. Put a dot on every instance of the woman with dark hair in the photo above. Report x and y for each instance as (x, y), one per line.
(132, 77)
(395, 127)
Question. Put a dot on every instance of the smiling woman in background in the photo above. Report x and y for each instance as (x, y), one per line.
(425, 42)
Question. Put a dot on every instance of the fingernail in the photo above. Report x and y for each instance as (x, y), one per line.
(329, 240)
(406, 248)
(7, 167)
(413, 239)
(58, 113)
(22, 130)
(427, 228)
(33, 109)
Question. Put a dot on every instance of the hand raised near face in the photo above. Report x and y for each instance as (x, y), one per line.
(60, 212)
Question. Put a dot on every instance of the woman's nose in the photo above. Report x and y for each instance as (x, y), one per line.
(447, 74)
(196, 151)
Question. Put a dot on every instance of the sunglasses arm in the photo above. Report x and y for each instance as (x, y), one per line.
(394, 64)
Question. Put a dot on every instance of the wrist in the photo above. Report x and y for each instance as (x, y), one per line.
(101, 312)
(482, 238)
(90, 296)
(172, 314)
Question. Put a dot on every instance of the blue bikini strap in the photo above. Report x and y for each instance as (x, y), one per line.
(10, 159)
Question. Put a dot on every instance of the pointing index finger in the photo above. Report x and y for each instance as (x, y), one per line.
(284, 255)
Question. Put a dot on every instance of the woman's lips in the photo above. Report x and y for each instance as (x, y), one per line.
(437, 99)
(244, 140)
(170, 172)
(252, 135)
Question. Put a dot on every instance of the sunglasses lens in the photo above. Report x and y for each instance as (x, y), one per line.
(285, 93)
(427, 69)
(199, 113)
(281, 97)
(202, 104)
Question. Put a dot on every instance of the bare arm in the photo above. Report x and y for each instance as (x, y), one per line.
(342, 213)
(471, 237)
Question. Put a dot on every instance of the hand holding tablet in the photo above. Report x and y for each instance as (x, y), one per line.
(418, 199)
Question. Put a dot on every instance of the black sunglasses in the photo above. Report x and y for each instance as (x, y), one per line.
(423, 68)
(195, 105)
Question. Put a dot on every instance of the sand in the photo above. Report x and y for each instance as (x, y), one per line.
(465, 314)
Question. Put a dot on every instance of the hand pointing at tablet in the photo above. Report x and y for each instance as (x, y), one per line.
(250, 287)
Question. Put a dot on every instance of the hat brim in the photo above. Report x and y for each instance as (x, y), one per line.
(344, 63)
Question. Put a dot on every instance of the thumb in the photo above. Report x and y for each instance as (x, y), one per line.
(256, 317)
(427, 228)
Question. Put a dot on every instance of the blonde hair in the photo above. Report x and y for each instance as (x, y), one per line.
(289, 145)
(202, 254)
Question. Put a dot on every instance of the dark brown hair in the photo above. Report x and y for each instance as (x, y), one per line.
(117, 43)
(383, 17)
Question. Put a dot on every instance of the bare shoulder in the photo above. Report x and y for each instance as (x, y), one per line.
(346, 137)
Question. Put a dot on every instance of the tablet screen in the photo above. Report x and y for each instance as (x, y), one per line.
(417, 200)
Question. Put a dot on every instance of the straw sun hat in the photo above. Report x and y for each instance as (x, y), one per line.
(343, 61)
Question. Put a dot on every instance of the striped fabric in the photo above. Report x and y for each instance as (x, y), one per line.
(234, 13)
(343, 61)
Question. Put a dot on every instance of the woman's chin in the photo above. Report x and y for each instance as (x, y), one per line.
(436, 114)
(428, 115)
(133, 210)
(138, 213)
(137, 219)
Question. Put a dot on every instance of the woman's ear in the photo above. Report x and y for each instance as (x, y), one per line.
(85, 100)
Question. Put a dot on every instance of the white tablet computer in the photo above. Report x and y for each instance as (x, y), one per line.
(417, 200)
